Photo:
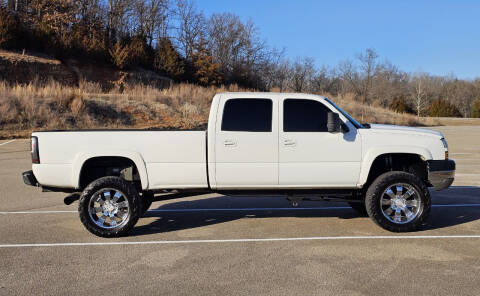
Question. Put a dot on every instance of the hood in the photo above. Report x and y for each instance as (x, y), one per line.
(405, 129)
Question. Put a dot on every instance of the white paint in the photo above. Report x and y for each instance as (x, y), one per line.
(173, 159)
(7, 142)
(246, 159)
(276, 159)
(244, 240)
(235, 209)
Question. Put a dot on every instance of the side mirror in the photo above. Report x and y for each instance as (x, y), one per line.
(334, 124)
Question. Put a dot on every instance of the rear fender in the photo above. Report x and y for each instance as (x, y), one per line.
(135, 157)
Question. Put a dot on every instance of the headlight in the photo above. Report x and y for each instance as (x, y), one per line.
(445, 145)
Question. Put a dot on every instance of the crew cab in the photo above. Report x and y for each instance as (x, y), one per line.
(291, 144)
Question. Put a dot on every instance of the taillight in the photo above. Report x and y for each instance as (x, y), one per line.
(34, 151)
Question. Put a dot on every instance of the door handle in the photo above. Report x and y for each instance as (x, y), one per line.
(230, 143)
(289, 142)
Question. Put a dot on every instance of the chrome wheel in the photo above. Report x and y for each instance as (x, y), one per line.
(109, 208)
(400, 203)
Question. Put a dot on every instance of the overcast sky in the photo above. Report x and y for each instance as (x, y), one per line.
(440, 37)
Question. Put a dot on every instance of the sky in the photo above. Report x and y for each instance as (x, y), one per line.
(439, 37)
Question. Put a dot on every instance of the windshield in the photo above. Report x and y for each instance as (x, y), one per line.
(350, 118)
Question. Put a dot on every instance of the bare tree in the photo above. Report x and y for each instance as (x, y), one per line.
(280, 74)
(117, 18)
(191, 27)
(464, 96)
(321, 81)
(148, 17)
(388, 83)
(348, 73)
(303, 71)
(368, 67)
(225, 40)
(419, 93)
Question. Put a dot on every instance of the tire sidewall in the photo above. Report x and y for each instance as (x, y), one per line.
(378, 187)
(131, 195)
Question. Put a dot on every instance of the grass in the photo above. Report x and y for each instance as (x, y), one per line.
(35, 106)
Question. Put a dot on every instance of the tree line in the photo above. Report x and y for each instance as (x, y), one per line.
(176, 39)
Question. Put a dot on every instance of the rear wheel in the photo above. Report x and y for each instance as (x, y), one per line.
(398, 201)
(109, 207)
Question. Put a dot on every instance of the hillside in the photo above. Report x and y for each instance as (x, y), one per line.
(38, 92)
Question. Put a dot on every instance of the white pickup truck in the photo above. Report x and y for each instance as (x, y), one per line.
(297, 145)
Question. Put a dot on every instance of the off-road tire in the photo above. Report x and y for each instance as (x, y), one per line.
(377, 188)
(131, 194)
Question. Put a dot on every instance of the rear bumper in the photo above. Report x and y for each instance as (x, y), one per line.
(441, 173)
(29, 178)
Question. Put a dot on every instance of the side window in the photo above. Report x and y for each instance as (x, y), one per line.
(304, 116)
(247, 115)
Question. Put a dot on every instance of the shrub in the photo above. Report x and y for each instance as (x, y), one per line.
(140, 52)
(10, 30)
(168, 60)
(400, 105)
(443, 108)
(120, 55)
(476, 109)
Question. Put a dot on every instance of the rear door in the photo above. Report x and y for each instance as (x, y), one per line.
(246, 143)
(310, 156)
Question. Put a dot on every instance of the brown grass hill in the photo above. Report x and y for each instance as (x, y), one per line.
(45, 93)
(25, 68)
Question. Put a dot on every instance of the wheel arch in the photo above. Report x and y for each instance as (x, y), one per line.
(83, 160)
(373, 157)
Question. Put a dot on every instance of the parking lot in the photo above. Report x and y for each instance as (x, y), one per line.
(219, 245)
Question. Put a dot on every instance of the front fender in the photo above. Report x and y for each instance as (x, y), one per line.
(135, 157)
(375, 152)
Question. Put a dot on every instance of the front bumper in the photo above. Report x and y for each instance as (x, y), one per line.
(29, 178)
(441, 173)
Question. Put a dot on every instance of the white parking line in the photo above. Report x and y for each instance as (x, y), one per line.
(245, 240)
(466, 175)
(237, 209)
(37, 212)
(7, 142)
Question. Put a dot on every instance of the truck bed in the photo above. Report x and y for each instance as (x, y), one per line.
(173, 159)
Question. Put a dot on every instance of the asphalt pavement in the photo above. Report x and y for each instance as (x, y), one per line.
(250, 245)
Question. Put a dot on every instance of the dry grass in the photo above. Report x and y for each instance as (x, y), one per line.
(24, 108)
(375, 114)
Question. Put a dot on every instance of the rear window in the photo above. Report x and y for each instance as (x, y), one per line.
(247, 115)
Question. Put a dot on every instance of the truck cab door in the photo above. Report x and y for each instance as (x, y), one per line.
(309, 155)
(246, 143)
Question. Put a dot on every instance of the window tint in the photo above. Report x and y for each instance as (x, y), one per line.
(248, 115)
(304, 116)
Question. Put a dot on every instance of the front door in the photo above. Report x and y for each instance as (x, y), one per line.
(310, 156)
(246, 145)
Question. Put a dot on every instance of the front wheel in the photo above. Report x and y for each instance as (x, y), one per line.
(398, 201)
(109, 207)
